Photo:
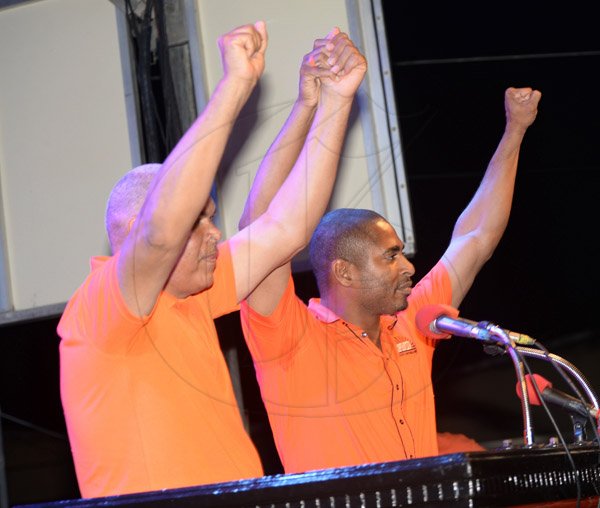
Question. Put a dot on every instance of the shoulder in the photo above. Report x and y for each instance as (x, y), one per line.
(434, 287)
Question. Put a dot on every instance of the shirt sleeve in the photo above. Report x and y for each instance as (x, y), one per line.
(434, 288)
(279, 335)
(98, 313)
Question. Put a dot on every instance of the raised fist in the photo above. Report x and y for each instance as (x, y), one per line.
(243, 51)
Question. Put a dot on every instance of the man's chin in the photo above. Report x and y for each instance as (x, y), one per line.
(207, 284)
(402, 306)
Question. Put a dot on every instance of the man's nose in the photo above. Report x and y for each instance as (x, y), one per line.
(216, 233)
(408, 268)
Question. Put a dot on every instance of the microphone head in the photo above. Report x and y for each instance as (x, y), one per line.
(426, 316)
(541, 382)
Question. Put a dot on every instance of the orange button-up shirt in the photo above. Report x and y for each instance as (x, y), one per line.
(335, 399)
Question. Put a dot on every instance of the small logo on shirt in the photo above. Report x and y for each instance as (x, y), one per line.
(405, 346)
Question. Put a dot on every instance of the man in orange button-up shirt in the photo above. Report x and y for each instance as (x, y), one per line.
(347, 380)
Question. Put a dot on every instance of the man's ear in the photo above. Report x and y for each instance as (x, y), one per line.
(130, 224)
(342, 272)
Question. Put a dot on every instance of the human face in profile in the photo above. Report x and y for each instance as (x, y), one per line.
(194, 271)
(383, 278)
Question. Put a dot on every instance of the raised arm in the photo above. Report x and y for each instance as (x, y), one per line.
(182, 187)
(283, 153)
(336, 68)
(480, 226)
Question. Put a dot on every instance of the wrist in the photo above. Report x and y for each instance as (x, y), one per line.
(305, 104)
(233, 84)
(335, 99)
(516, 128)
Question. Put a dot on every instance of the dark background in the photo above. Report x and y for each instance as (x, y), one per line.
(450, 69)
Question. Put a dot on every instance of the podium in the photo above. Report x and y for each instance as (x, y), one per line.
(535, 476)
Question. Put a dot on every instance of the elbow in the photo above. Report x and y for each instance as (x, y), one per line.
(287, 239)
(472, 249)
(482, 239)
(293, 243)
(158, 237)
(484, 246)
(157, 240)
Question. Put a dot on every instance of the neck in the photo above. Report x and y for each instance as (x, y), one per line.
(374, 336)
(344, 308)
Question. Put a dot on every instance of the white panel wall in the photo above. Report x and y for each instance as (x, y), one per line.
(67, 128)
(366, 176)
(64, 141)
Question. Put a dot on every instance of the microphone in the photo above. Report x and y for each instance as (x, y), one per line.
(556, 397)
(439, 321)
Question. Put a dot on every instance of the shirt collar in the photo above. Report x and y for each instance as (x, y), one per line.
(327, 316)
(321, 312)
(97, 261)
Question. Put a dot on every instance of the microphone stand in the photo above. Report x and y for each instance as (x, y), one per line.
(575, 373)
(520, 371)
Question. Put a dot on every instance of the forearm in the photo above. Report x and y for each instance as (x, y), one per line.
(304, 196)
(330, 77)
(278, 161)
(488, 211)
(479, 228)
(285, 228)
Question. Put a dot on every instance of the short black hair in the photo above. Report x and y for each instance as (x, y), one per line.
(341, 234)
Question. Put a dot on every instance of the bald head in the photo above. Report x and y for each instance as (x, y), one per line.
(342, 234)
(126, 200)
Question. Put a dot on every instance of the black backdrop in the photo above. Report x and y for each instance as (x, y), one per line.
(450, 70)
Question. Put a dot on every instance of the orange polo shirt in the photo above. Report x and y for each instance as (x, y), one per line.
(333, 398)
(148, 402)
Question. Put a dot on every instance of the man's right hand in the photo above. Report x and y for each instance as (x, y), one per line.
(521, 106)
(348, 66)
(334, 63)
(314, 68)
(243, 52)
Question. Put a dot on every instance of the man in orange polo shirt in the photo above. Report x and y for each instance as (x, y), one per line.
(347, 380)
(146, 392)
